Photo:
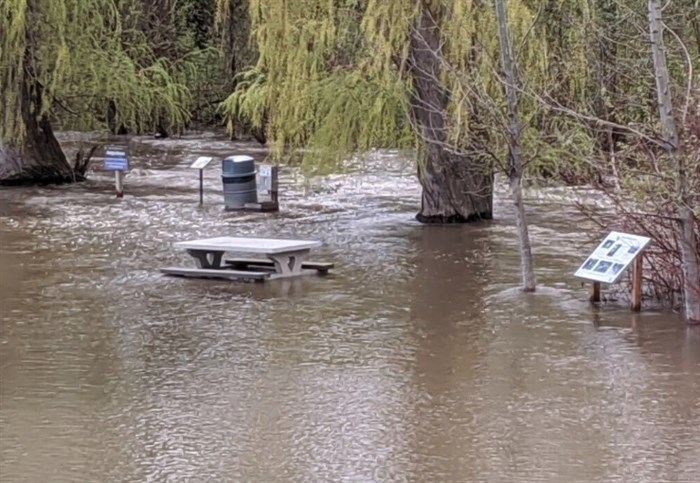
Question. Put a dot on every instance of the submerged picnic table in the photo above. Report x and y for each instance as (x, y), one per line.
(284, 258)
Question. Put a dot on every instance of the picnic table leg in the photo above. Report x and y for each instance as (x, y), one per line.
(289, 264)
(207, 259)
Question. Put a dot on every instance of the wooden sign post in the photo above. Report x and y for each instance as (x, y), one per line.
(200, 164)
(610, 260)
(116, 160)
(595, 292)
(636, 302)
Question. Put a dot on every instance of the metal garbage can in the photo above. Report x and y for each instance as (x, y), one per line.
(238, 177)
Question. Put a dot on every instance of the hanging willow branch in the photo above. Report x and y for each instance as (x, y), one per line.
(332, 75)
(86, 50)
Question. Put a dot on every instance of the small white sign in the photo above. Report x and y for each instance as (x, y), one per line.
(265, 170)
(201, 162)
(265, 177)
(612, 257)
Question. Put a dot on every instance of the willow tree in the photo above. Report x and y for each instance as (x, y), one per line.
(344, 75)
(64, 59)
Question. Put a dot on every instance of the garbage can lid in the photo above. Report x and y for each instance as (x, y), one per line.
(239, 159)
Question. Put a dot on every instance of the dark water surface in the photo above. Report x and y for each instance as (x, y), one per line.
(417, 360)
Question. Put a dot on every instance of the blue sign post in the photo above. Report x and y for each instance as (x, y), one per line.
(116, 160)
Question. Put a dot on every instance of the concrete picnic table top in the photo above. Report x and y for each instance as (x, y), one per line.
(267, 246)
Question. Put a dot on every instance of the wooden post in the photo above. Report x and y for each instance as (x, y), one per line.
(119, 183)
(595, 292)
(201, 187)
(636, 304)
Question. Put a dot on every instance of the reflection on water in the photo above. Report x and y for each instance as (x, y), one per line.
(417, 360)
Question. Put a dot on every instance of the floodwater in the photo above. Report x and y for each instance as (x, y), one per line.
(416, 360)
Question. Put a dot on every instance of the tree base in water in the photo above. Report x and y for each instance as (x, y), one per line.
(452, 219)
(18, 170)
(22, 170)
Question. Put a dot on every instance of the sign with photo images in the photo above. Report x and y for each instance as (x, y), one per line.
(611, 258)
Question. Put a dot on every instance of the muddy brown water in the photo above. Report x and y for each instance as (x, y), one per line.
(417, 360)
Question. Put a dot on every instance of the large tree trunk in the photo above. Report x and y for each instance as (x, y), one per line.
(688, 241)
(457, 187)
(39, 159)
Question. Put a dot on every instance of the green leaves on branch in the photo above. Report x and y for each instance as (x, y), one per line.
(249, 100)
(341, 113)
(93, 63)
(332, 75)
(140, 98)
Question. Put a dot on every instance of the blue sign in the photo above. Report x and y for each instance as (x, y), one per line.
(116, 160)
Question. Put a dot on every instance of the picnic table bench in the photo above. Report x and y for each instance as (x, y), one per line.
(284, 258)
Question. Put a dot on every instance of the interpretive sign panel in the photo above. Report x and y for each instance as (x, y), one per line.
(612, 257)
(116, 159)
(201, 162)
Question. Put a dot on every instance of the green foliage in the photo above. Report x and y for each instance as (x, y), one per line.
(248, 100)
(346, 112)
(357, 112)
(13, 41)
(331, 75)
(91, 57)
(140, 96)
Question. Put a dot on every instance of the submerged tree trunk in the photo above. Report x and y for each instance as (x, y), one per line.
(515, 166)
(457, 188)
(39, 158)
(688, 241)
